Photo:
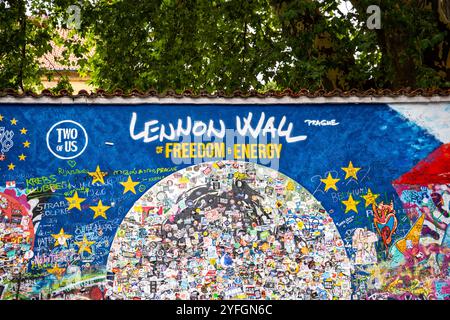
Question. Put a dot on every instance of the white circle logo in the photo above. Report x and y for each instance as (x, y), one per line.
(67, 139)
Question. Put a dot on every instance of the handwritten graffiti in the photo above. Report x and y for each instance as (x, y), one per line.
(357, 207)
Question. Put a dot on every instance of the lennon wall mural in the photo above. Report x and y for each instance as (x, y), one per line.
(314, 202)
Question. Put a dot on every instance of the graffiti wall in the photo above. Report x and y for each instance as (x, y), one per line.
(152, 201)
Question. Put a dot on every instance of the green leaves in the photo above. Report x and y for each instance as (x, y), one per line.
(22, 40)
(225, 44)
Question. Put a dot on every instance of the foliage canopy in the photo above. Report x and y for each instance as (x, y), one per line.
(229, 44)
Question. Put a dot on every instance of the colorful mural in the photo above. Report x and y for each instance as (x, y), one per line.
(225, 201)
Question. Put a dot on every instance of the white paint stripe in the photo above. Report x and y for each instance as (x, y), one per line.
(84, 283)
(435, 117)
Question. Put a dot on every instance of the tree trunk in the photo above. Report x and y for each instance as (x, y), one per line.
(323, 46)
(23, 42)
(396, 43)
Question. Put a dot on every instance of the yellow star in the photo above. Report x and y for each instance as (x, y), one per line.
(84, 245)
(11, 166)
(13, 121)
(330, 182)
(350, 204)
(370, 197)
(350, 171)
(57, 271)
(22, 157)
(75, 201)
(1, 117)
(61, 238)
(129, 185)
(98, 175)
(23, 131)
(100, 210)
(26, 144)
(412, 239)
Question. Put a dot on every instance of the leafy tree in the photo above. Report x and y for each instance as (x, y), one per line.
(230, 45)
(23, 38)
(413, 43)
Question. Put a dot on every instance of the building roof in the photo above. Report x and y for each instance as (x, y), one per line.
(351, 96)
(50, 60)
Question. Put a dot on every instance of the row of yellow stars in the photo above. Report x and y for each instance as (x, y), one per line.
(100, 209)
(14, 123)
(350, 203)
(12, 166)
(98, 176)
(350, 172)
(26, 144)
(62, 237)
(61, 240)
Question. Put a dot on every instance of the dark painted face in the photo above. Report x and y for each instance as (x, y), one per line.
(437, 199)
